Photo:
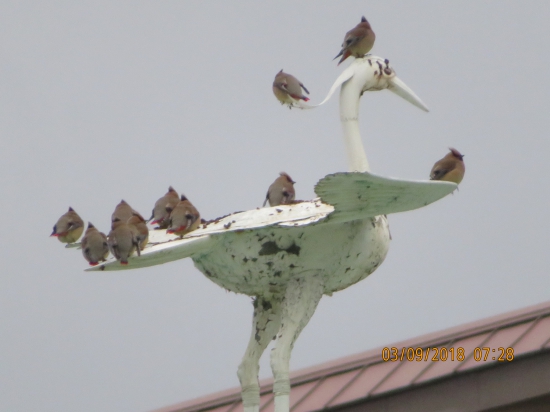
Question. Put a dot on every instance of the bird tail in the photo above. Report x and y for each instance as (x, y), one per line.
(344, 57)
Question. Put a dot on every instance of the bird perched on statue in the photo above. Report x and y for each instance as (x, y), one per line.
(143, 231)
(94, 245)
(69, 227)
(123, 240)
(288, 89)
(123, 212)
(163, 207)
(281, 191)
(184, 218)
(450, 169)
(358, 41)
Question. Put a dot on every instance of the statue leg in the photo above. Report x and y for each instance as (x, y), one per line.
(299, 303)
(265, 324)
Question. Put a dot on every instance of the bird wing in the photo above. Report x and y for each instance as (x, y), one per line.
(164, 247)
(439, 173)
(343, 197)
(292, 88)
(352, 39)
(357, 196)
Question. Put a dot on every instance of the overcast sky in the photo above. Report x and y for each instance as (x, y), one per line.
(106, 100)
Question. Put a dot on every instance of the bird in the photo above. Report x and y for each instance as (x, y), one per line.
(184, 218)
(123, 240)
(281, 191)
(143, 232)
(69, 227)
(123, 211)
(450, 169)
(358, 41)
(163, 207)
(94, 245)
(288, 89)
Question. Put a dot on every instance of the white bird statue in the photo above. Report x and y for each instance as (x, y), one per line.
(289, 256)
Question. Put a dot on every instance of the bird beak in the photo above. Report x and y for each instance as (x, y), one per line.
(397, 86)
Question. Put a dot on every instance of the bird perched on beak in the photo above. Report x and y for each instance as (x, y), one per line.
(143, 231)
(94, 245)
(281, 191)
(288, 89)
(450, 169)
(358, 41)
(184, 218)
(69, 227)
(123, 212)
(163, 207)
(123, 240)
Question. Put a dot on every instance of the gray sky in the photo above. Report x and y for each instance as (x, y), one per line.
(107, 100)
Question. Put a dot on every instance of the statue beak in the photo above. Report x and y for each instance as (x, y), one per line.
(397, 86)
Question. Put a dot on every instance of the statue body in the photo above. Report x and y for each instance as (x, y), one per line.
(260, 263)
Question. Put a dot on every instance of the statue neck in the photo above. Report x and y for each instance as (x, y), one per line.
(350, 94)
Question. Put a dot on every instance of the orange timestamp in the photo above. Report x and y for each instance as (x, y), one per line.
(443, 354)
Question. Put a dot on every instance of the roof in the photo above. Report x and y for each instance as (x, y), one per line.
(367, 376)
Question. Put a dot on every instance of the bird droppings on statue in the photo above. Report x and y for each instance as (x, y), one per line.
(358, 41)
(68, 227)
(288, 89)
(450, 168)
(281, 191)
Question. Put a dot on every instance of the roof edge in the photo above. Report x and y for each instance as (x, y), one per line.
(358, 360)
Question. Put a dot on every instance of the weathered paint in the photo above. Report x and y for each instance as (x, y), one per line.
(261, 261)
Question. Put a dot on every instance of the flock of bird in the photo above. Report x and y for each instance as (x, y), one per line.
(129, 232)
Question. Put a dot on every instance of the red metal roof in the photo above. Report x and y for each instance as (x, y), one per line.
(367, 375)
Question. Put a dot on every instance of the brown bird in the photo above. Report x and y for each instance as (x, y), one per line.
(184, 218)
(123, 241)
(163, 207)
(94, 245)
(358, 41)
(281, 191)
(450, 169)
(288, 89)
(69, 227)
(143, 231)
(123, 212)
